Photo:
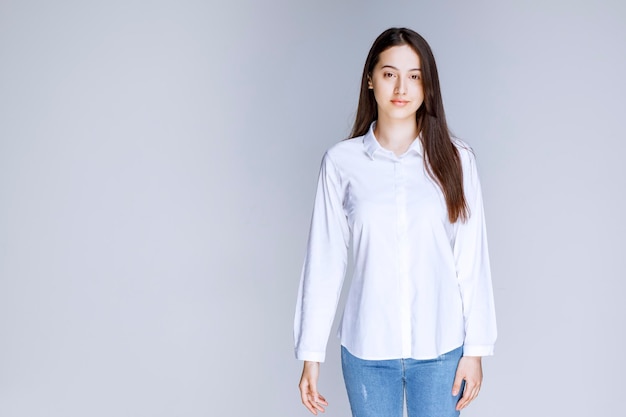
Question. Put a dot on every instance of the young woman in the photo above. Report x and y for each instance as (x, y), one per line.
(419, 313)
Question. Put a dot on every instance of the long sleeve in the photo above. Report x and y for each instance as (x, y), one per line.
(324, 267)
(473, 270)
(420, 285)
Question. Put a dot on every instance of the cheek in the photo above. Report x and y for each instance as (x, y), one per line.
(380, 88)
(419, 93)
(380, 93)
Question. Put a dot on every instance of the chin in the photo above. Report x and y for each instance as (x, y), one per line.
(402, 115)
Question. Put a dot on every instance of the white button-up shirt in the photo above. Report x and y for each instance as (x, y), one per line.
(421, 285)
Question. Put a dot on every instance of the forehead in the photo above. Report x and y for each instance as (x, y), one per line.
(401, 57)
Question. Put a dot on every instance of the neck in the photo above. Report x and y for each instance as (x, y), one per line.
(396, 135)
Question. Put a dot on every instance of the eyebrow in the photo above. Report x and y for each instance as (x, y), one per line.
(394, 68)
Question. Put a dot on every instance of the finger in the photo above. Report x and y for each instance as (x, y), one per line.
(313, 406)
(461, 404)
(316, 399)
(464, 400)
(307, 403)
(473, 392)
(469, 394)
(456, 386)
(321, 399)
(306, 398)
(318, 402)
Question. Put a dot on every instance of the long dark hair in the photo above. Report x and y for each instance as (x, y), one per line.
(442, 159)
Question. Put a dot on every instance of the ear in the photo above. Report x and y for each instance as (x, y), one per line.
(369, 83)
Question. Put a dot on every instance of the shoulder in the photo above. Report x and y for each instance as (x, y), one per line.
(342, 152)
(464, 149)
(345, 146)
(466, 153)
(468, 161)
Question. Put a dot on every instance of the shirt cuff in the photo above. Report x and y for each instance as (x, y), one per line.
(478, 350)
(310, 356)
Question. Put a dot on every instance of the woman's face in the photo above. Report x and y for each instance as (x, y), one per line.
(397, 83)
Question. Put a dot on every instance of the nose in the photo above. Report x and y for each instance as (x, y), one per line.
(401, 85)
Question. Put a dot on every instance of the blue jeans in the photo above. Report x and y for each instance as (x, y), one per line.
(378, 388)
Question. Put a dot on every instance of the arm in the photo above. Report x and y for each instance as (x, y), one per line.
(321, 281)
(474, 275)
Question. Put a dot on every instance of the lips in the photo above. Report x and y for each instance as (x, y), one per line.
(399, 102)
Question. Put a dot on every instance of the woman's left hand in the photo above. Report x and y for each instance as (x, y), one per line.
(469, 369)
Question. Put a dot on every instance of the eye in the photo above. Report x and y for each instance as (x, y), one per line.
(416, 77)
(389, 75)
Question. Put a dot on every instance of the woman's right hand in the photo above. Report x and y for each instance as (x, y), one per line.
(311, 399)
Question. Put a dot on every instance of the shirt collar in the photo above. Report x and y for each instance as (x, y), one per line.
(372, 146)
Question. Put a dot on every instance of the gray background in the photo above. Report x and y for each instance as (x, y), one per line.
(157, 169)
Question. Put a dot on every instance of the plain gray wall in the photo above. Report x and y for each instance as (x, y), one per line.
(157, 169)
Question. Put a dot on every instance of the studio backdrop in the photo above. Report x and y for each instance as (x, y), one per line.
(158, 163)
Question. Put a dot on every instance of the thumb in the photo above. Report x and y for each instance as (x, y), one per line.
(456, 387)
